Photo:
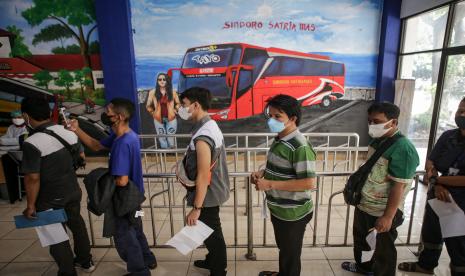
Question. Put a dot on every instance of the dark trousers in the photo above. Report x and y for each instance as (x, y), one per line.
(132, 246)
(11, 170)
(61, 252)
(432, 241)
(216, 257)
(289, 236)
(384, 259)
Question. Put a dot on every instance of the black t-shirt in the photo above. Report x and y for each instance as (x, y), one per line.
(45, 155)
(448, 152)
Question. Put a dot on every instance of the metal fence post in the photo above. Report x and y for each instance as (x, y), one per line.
(250, 254)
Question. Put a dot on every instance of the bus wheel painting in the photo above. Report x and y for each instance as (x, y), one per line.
(326, 102)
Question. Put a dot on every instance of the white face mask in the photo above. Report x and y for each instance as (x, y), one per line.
(377, 131)
(184, 113)
(18, 121)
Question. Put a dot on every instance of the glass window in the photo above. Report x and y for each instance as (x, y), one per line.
(424, 68)
(337, 69)
(457, 37)
(202, 59)
(292, 67)
(425, 31)
(273, 68)
(256, 58)
(316, 68)
(221, 93)
(452, 93)
(245, 82)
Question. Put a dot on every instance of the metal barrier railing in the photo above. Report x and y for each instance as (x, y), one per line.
(321, 142)
(169, 180)
(245, 152)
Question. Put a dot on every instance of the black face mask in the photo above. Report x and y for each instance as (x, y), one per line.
(460, 121)
(106, 120)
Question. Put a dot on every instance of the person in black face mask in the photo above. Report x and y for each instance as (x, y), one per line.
(447, 159)
(124, 164)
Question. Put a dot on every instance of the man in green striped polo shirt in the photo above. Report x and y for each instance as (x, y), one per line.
(287, 180)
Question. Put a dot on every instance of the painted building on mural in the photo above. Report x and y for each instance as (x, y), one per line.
(24, 68)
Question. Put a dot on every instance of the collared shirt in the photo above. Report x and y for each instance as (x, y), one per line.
(397, 164)
(291, 157)
(218, 191)
(45, 155)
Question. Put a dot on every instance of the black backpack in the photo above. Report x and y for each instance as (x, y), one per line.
(353, 190)
(74, 150)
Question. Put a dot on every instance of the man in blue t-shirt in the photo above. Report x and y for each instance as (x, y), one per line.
(124, 164)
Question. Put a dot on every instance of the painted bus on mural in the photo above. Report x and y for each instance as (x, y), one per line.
(242, 77)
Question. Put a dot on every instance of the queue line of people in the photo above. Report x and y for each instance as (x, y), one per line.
(287, 180)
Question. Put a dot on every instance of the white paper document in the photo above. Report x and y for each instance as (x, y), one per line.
(451, 217)
(371, 240)
(51, 234)
(264, 214)
(190, 237)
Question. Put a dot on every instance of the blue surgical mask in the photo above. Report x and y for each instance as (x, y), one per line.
(275, 125)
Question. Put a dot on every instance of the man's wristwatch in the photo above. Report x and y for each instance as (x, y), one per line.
(433, 180)
(197, 208)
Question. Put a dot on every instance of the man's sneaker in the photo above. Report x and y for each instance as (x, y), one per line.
(201, 264)
(86, 267)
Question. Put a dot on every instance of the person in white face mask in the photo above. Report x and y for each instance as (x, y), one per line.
(10, 141)
(205, 163)
(18, 128)
(383, 193)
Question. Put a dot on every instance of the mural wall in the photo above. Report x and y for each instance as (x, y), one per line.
(322, 52)
(52, 47)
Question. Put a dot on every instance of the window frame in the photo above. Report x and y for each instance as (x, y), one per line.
(445, 51)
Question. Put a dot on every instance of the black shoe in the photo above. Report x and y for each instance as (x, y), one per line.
(86, 267)
(201, 264)
(224, 273)
(153, 265)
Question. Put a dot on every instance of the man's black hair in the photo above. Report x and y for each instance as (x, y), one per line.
(391, 111)
(200, 95)
(36, 108)
(123, 106)
(286, 104)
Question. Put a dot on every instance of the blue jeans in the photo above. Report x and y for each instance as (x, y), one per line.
(166, 127)
(132, 246)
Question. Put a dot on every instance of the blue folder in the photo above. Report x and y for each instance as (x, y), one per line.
(43, 218)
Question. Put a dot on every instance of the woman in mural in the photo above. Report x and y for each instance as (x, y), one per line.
(163, 103)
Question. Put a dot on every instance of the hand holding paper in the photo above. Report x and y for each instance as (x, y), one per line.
(371, 240)
(190, 237)
(451, 217)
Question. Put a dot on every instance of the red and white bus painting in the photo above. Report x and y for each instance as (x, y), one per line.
(242, 77)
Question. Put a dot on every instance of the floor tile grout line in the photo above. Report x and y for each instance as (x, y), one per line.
(8, 263)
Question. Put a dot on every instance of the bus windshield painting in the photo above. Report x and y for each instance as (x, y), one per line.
(221, 93)
(202, 59)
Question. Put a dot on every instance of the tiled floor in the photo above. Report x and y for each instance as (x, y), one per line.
(21, 253)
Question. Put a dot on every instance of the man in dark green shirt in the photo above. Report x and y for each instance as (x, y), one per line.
(383, 194)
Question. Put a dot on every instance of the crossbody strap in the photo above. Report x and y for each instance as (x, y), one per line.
(379, 152)
(60, 139)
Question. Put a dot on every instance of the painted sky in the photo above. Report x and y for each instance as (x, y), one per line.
(169, 27)
(10, 14)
